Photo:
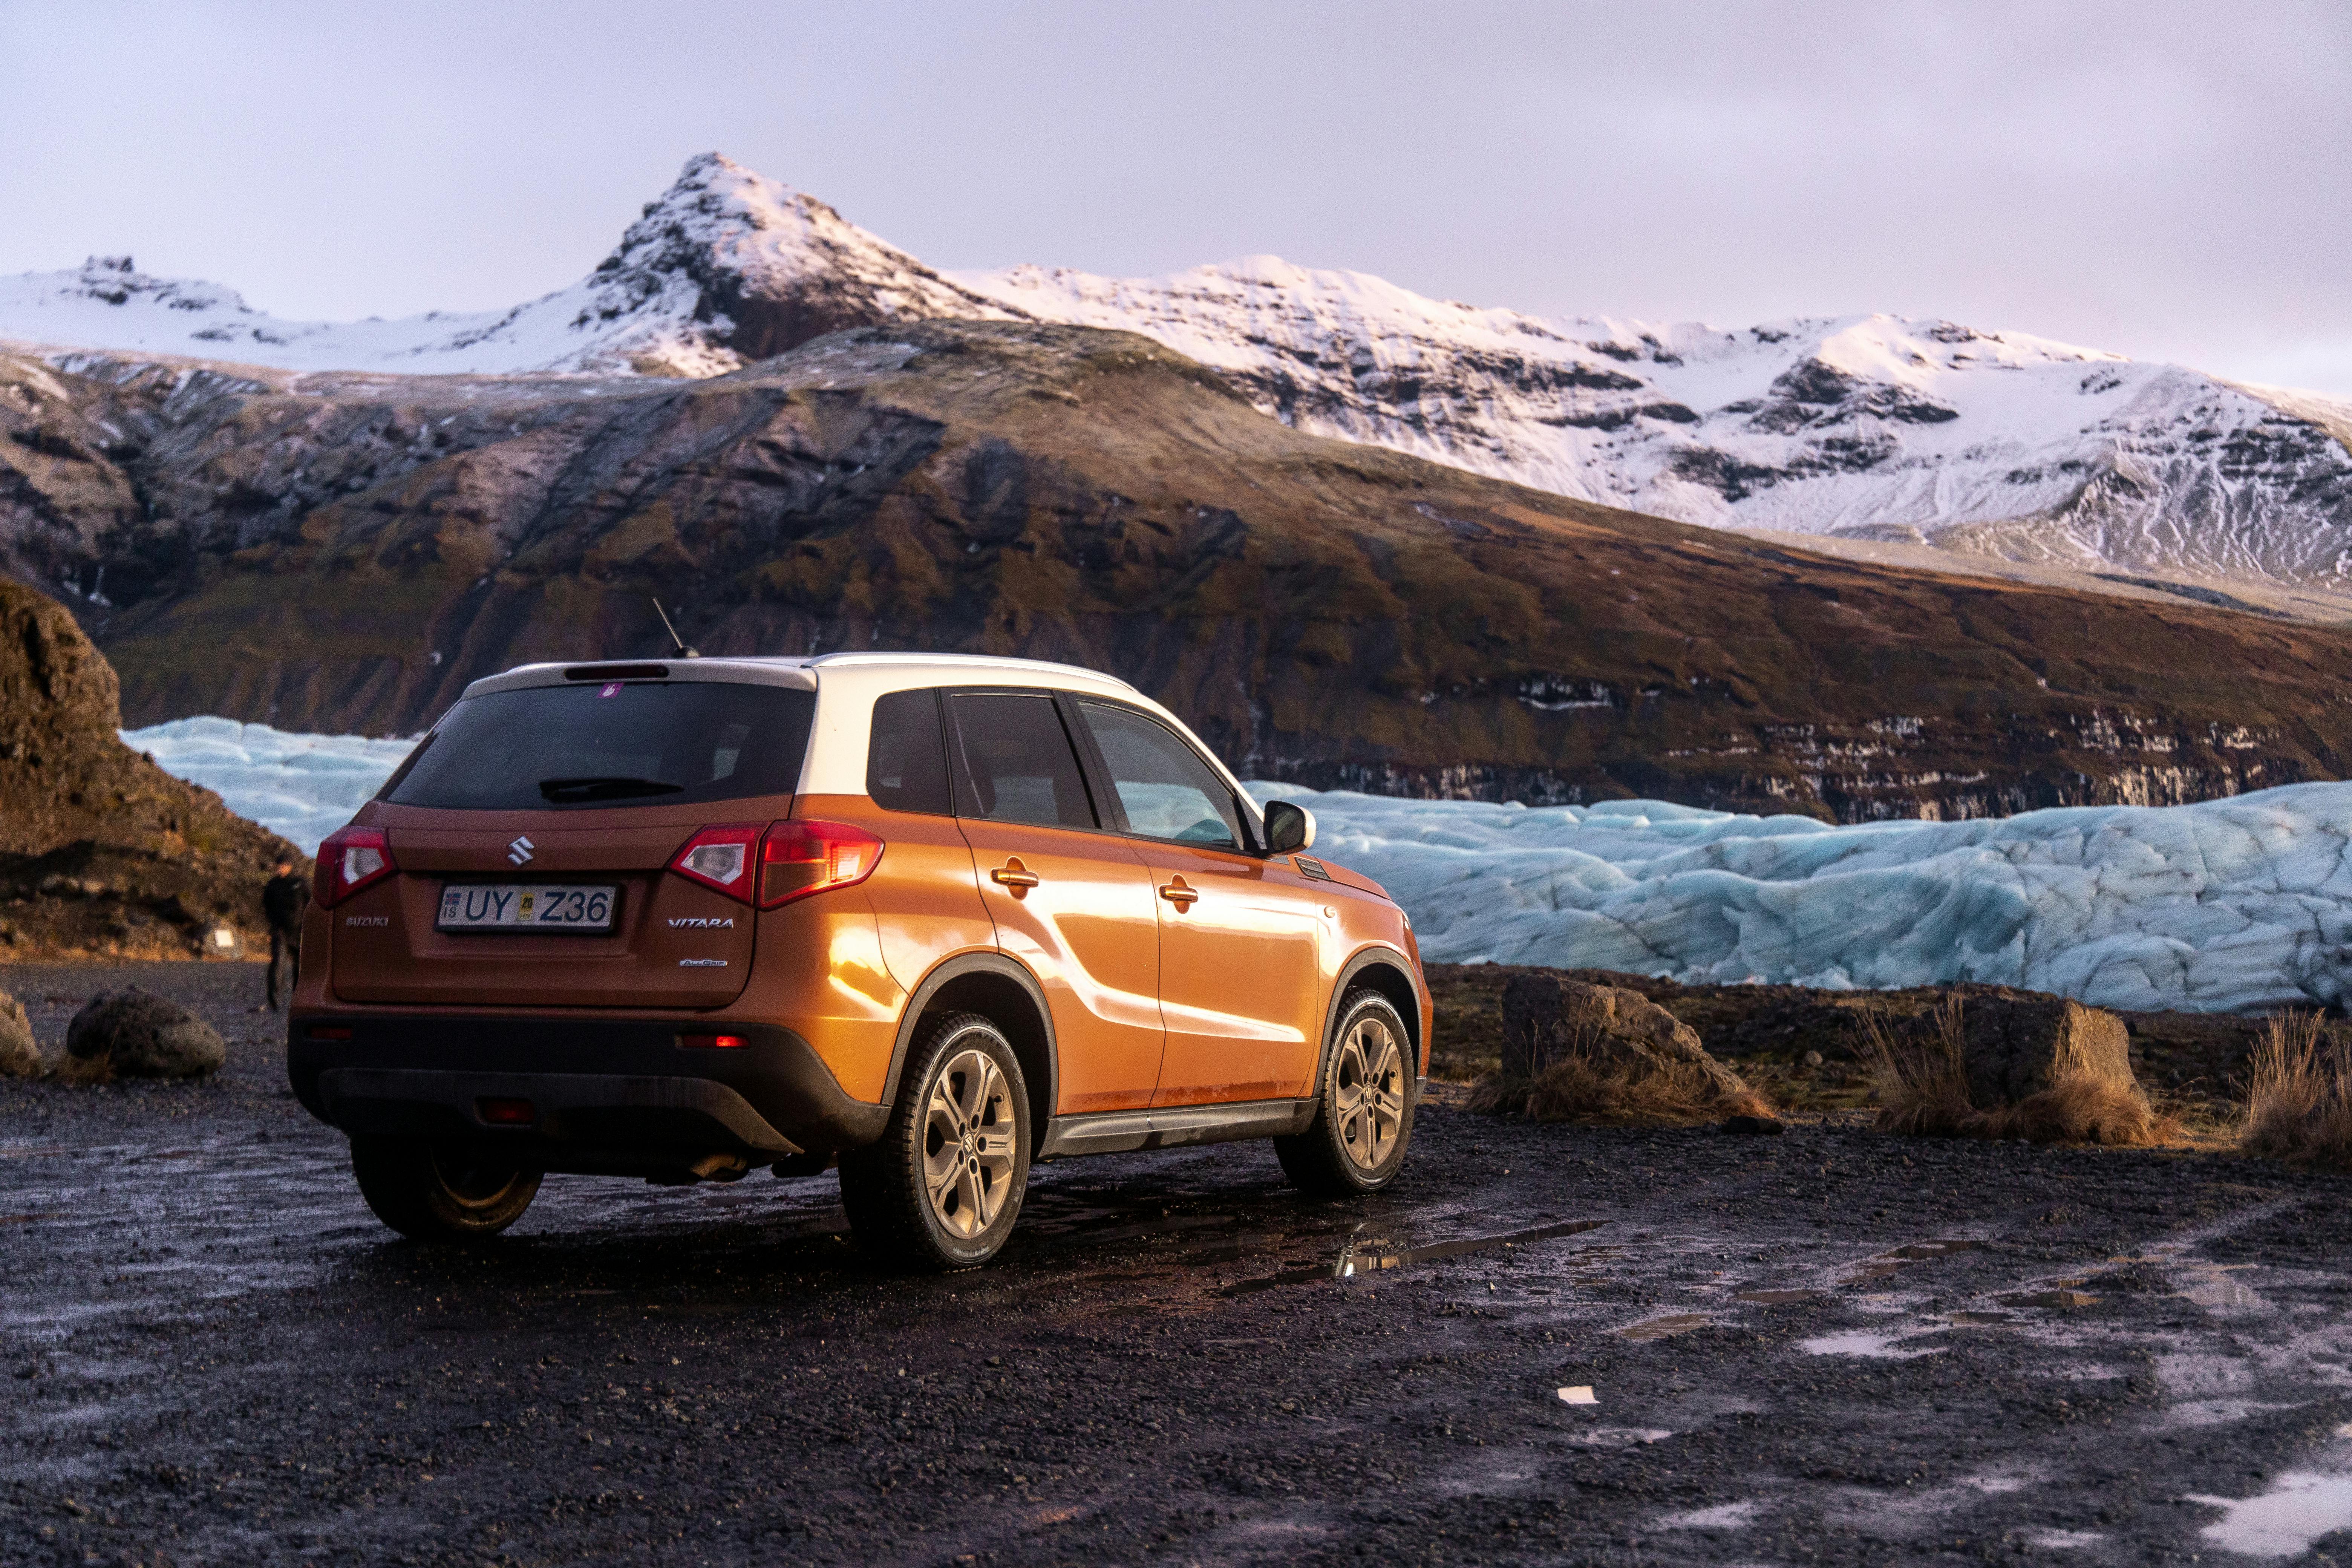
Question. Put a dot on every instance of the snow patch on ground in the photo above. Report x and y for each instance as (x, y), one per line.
(2231, 905)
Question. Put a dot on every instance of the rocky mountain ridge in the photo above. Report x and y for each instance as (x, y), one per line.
(345, 552)
(1986, 443)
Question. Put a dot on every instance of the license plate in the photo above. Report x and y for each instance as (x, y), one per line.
(526, 905)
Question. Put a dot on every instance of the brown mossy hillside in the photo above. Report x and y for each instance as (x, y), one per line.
(101, 851)
(347, 553)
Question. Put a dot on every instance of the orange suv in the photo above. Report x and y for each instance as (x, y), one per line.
(933, 918)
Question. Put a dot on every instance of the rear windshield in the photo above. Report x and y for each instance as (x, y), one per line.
(633, 743)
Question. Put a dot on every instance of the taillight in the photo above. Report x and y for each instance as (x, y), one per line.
(711, 1042)
(721, 858)
(791, 860)
(797, 859)
(349, 859)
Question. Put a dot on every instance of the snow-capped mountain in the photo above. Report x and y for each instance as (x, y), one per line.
(727, 268)
(1991, 443)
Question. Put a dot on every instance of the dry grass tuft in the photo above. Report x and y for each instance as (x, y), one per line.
(2299, 1093)
(1923, 1091)
(1582, 1087)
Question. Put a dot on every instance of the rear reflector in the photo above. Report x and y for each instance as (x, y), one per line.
(712, 1042)
(324, 1032)
(505, 1112)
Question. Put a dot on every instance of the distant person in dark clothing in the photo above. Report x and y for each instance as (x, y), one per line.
(284, 898)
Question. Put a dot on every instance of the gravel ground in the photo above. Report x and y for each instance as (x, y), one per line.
(1831, 1346)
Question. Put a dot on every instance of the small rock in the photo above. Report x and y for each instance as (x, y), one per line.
(132, 1034)
(1813, 1058)
(1755, 1126)
(20, 1056)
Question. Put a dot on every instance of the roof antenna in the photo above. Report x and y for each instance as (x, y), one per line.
(676, 642)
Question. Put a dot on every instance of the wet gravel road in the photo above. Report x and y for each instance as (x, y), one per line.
(1827, 1347)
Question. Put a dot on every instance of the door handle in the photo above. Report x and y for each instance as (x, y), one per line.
(1178, 893)
(1012, 874)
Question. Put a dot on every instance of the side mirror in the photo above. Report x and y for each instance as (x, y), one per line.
(1288, 828)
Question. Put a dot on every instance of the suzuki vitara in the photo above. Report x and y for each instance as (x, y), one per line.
(930, 917)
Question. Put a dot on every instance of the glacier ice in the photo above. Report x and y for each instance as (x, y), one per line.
(2227, 906)
(300, 786)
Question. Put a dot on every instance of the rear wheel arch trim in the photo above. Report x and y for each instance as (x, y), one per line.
(1045, 1084)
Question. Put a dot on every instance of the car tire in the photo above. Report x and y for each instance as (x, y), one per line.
(1363, 1105)
(941, 1188)
(435, 1193)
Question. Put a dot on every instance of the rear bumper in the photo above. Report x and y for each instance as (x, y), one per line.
(604, 1095)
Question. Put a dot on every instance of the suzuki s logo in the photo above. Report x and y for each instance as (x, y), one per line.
(698, 923)
(520, 850)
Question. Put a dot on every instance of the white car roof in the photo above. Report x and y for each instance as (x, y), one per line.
(847, 685)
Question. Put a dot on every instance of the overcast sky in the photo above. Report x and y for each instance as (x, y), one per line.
(2170, 181)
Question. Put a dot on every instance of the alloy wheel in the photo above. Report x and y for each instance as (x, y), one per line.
(1367, 1093)
(968, 1145)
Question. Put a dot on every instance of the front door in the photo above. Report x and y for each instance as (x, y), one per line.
(1071, 900)
(1241, 976)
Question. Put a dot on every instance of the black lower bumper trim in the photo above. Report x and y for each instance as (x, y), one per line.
(596, 1094)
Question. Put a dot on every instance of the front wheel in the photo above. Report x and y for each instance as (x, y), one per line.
(1363, 1112)
(430, 1193)
(942, 1186)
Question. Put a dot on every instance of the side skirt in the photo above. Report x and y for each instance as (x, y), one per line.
(1117, 1131)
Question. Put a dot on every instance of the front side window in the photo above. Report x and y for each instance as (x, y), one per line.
(610, 743)
(1165, 788)
(905, 758)
(1015, 762)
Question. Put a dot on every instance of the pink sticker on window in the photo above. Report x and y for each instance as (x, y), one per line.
(611, 689)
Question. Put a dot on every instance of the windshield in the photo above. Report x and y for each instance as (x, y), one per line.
(617, 743)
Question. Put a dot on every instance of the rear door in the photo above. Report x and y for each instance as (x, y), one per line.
(1241, 970)
(568, 794)
(1069, 897)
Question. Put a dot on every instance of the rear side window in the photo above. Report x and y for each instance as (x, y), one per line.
(1164, 788)
(1016, 762)
(905, 756)
(618, 743)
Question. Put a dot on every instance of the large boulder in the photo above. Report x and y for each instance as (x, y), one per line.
(2016, 1045)
(20, 1056)
(131, 1033)
(1548, 1015)
(1988, 1062)
(1575, 1050)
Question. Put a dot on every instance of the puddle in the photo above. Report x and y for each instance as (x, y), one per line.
(1621, 1437)
(2063, 1540)
(1722, 1516)
(1663, 1328)
(1888, 1262)
(1777, 1297)
(1354, 1260)
(2299, 1508)
(1880, 1345)
(2221, 1292)
(1978, 1320)
(2065, 1300)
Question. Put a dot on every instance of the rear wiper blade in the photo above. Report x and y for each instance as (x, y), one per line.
(603, 787)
